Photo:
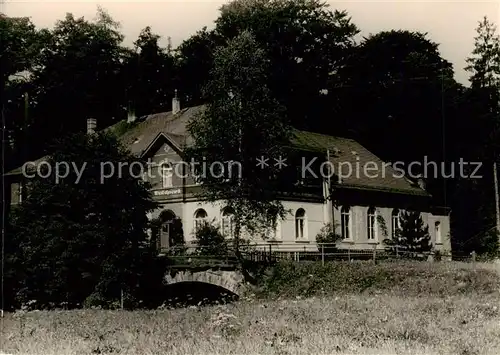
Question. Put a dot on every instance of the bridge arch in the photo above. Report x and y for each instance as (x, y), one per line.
(229, 280)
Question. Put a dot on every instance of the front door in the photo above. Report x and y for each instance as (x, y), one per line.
(165, 235)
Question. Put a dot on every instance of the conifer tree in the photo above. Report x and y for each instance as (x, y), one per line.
(413, 235)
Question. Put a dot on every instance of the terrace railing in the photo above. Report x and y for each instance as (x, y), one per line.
(271, 252)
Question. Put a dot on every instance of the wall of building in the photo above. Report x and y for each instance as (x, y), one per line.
(285, 236)
(15, 193)
(179, 200)
(286, 229)
(359, 228)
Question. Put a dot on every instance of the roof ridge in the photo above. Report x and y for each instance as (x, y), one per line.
(323, 135)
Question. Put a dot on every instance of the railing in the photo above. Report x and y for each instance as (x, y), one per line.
(194, 255)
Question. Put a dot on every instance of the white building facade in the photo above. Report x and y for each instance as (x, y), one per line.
(365, 212)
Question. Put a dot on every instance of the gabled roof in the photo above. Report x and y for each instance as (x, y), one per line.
(346, 154)
(343, 151)
(144, 131)
(140, 135)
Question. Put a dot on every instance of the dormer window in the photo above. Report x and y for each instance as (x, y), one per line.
(137, 139)
(166, 174)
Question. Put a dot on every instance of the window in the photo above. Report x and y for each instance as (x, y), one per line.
(166, 174)
(165, 235)
(200, 219)
(345, 219)
(371, 223)
(395, 225)
(16, 193)
(167, 218)
(300, 223)
(228, 222)
(437, 230)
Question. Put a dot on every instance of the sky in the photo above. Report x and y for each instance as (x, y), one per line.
(449, 23)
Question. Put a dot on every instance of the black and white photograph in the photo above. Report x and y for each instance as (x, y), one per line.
(265, 177)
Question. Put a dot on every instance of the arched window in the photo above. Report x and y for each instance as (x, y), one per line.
(395, 224)
(166, 175)
(345, 221)
(228, 222)
(300, 224)
(200, 219)
(371, 223)
(437, 230)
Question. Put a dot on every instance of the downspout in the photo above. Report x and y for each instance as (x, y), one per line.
(327, 206)
(331, 214)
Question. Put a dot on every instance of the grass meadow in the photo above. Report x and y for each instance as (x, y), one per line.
(420, 308)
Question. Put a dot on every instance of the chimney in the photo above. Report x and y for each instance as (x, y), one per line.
(176, 104)
(91, 125)
(421, 183)
(131, 115)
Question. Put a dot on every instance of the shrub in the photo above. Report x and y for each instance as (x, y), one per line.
(329, 237)
(210, 241)
(489, 246)
(437, 255)
(73, 239)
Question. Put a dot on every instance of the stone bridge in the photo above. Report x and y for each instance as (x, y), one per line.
(231, 280)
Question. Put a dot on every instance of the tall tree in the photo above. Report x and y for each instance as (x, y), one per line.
(476, 220)
(413, 237)
(307, 45)
(194, 60)
(20, 44)
(78, 78)
(400, 77)
(484, 64)
(148, 75)
(82, 236)
(413, 109)
(242, 122)
(20, 47)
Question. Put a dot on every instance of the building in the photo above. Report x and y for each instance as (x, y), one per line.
(368, 201)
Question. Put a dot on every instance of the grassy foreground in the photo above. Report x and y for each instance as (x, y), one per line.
(409, 317)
